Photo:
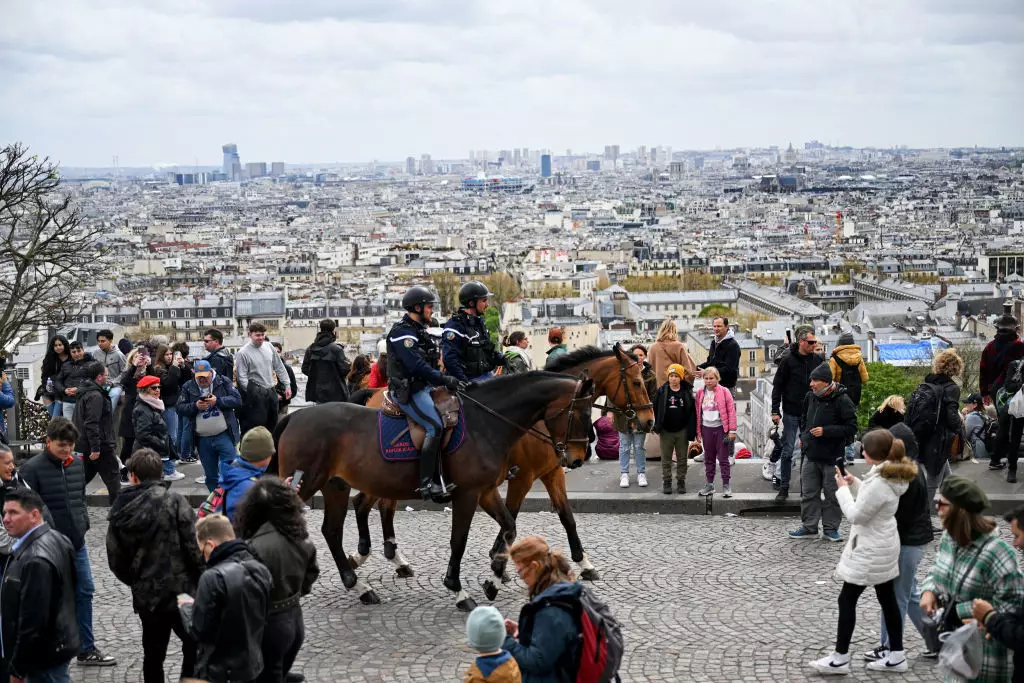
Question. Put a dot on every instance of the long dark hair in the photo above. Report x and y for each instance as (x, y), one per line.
(271, 500)
(51, 361)
(360, 369)
(382, 367)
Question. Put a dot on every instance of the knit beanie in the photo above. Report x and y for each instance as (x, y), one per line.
(846, 339)
(823, 372)
(257, 445)
(964, 493)
(485, 629)
(124, 345)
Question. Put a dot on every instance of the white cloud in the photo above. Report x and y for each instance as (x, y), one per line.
(322, 80)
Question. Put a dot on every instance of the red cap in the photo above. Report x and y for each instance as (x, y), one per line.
(148, 381)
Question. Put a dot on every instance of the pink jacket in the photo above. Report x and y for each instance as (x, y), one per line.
(726, 408)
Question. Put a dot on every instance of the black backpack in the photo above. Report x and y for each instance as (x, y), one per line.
(850, 378)
(785, 350)
(924, 409)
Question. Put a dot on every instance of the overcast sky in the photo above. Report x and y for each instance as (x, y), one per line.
(352, 80)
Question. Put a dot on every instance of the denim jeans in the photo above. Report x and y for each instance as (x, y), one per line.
(58, 674)
(168, 466)
(55, 409)
(84, 590)
(908, 596)
(67, 409)
(632, 442)
(422, 411)
(215, 452)
(790, 432)
(171, 420)
(115, 395)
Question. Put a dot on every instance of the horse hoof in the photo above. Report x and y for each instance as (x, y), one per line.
(490, 590)
(369, 598)
(590, 575)
(466, 605)
(404, 572)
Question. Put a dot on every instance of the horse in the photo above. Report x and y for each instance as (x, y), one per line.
(337, 447)
(616, 375)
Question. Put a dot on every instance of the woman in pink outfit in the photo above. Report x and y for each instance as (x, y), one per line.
(716, 424)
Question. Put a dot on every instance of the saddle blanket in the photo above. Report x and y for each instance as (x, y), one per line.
(388, 428)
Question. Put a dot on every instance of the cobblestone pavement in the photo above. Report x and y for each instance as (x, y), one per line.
(701, 599)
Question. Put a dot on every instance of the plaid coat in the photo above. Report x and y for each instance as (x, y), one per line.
(995, 577)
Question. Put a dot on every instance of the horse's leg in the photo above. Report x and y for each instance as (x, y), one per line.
(491, 503)
(554, 482)
(362, 504)
(391, 551)
(517, 490)
(463, 509)
(336, 493)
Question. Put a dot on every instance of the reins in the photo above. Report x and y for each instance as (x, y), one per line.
(630, 412)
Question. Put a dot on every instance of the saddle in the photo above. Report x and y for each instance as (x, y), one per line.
(447, 405)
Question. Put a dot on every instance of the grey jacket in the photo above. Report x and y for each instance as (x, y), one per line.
(114, 361)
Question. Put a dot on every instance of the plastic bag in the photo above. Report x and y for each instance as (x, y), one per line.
(1016, 406)
(961, 652)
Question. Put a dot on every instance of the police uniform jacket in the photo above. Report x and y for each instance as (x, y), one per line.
(467, 348)
(412, 360)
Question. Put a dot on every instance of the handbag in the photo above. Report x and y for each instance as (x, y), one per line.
(945, 619)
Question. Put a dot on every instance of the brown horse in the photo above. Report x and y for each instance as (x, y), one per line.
(337, 447)
(616, 374)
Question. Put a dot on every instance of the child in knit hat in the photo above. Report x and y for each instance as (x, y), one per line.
(485, 633)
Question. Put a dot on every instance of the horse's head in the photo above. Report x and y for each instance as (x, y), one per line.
(620, 378)
(568, 423)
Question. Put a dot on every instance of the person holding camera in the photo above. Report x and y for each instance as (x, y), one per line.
(6, 401)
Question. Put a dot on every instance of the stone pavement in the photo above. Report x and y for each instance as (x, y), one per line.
(701, 598)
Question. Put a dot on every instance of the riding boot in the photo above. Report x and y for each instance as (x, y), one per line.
(430, 489)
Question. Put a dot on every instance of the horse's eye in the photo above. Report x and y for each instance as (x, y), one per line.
(637, 383)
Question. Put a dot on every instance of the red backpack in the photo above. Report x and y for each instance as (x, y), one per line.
(600, 645)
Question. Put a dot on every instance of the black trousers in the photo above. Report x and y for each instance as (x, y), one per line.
(886, 594)
(259, 408)
(127, 444)
(282, 640)
(156, 635)
(106, 467)
(1011, 429)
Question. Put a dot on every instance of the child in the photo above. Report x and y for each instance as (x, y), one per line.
(485, 633)
(716, 423)
(674, 423)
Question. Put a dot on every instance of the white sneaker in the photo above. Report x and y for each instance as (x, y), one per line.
(200, 480)
(641, 479)
(833, 665)
(624, 481)
(699, 458)
(726, 491)
(896, 662)
(174, 476)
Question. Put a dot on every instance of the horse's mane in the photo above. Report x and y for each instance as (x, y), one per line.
(584, 354)
(508, 385)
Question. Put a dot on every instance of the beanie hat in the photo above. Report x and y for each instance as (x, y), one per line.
(846, 339)
(823, 373)
(964, 493)
(124, 345)
(677, 369)
(485, 629)
(257, 445)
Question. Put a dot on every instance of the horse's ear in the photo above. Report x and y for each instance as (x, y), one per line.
(617, 349)
(587, 388)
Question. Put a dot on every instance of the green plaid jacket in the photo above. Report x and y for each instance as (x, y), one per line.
(995, 577)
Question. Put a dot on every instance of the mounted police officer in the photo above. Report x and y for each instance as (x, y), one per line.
(466, 346)
(412, 373)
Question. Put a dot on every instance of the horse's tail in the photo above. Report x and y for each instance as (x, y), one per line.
(361, 397)
(278, 431)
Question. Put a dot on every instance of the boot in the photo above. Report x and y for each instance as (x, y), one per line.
(782, 495)
(429, 488)
(1011, 474)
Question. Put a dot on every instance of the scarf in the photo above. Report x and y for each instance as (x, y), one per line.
(826, 391)
(152, 401)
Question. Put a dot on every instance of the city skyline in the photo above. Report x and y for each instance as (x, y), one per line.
(169, 83)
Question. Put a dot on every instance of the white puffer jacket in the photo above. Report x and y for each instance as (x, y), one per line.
(871, 556)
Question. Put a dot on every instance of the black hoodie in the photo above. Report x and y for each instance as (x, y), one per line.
(836, 415)
(913, 516)
(326, 370)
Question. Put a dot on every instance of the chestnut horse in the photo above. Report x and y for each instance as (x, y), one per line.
(337, 447)
(616, 374)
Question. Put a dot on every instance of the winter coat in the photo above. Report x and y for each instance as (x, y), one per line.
(1007, 629)
(726, 408)
(151, 430)
(94, 420)
(61, 485)
(237, 478)
(517, 361)
(228, 401)
(936, 444)
(292, 565)
(660, 400)
(171, 382)
(1005, 348)
(663, 354)
(836, 415)
(913, 516)
(792, 381)
(50, 371)
(129, 382)
(885, 418)
(151, 545)
(724, 355)
(326, 369)
(499, 668)
(7, 401)
(607, 447)
(113, 360)
(554, 353)
(851, 355)
(37, 600)
(376, 381)
(72, 373)
(651, 385)
(6, 542)
(228, 615)
(872, 553)
(547, 635)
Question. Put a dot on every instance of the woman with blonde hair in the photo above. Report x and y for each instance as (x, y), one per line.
(935, 441)
(890, 413)
(545, 633)
(668, 350)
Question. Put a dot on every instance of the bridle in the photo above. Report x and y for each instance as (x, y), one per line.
(561, 448)
(630, 411)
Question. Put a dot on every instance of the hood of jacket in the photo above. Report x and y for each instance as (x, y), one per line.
(902, 432)
(238, 471)
(849, 354)
(728, 335)
(933, 378)
(322, 347)
(136, 510)
(560, 589)
(898, 471)
(235, 550)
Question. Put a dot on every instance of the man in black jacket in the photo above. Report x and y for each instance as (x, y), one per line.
(72, 373)
(828, 422)
(220, 358)
(788, 390)
(724, 354)
(151, 547)
(1007, 628)
(227, 616)
(325, 367)
(94, 421)
(59, 479)
(37, 597)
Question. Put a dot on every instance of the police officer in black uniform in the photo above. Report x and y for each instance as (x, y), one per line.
(466, 346)
(412, 373)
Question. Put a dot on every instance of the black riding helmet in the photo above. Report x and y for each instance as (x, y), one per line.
(471, 291)
(417, 296)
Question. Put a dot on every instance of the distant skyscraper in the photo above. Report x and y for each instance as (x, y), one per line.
(611, 152)
(410, 165)
(231, 159)
(256, 169)
(545, 165)
(517, 157)
(426, 165)
(277, 169)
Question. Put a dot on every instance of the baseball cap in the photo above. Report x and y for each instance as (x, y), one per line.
(973, 398)
(203, 368)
